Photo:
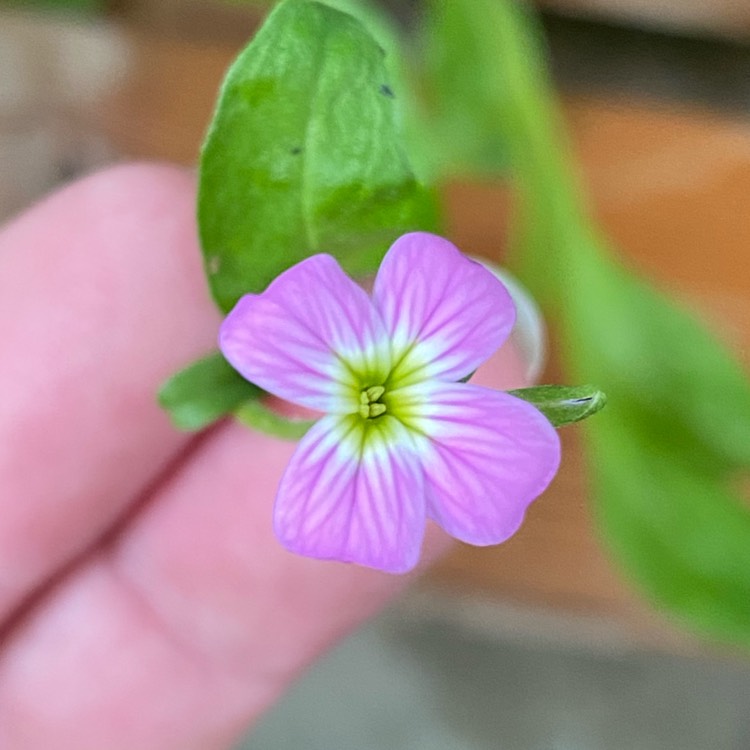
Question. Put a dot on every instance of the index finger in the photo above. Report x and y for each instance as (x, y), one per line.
(101, 298)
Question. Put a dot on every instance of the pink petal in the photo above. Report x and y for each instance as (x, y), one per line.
(486, 455)
(456, 310)
(353, 496)
(297, 340)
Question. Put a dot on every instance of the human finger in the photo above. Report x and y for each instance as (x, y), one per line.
(101, 297)
(180, 632)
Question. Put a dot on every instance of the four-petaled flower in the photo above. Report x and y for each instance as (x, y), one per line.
(402, 438)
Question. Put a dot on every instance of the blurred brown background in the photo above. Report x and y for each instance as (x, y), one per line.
(656, 94)
(730, 17)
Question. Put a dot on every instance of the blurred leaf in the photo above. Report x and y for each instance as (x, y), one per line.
(563, 404)
(661, 361)
(678, 424)
(682, 535)
(204, 392)
(463, 133)
(305, 154)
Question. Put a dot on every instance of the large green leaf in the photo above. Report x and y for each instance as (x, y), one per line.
(665, 454)
(372, 16)
(305, 154)
(410, 113)
(420, 146)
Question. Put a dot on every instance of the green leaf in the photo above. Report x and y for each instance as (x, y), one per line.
(371, 16)
(204, 392)
(378, 24)
(563, 404)
(666, 457)
(305, 154)
(411, 117)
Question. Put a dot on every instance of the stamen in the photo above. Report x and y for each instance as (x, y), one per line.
(369, 406)
(374, 392)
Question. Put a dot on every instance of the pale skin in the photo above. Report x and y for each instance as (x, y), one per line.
(144, 601)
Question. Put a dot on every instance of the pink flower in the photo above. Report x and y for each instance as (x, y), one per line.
(401, 439)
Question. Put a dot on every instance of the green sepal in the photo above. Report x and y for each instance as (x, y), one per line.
(564, 404)
(205, 391)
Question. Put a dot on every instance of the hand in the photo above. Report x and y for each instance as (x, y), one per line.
(144, 602)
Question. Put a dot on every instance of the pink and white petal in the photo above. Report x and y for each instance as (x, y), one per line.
(447, 313)
(486, 456)
(300, 339)
(353, 494)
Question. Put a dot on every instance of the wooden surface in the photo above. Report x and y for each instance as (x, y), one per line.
(220, 19)
(192, 19)
(672, 189)
(728, 17)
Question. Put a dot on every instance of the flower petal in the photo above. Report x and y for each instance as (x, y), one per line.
(301, 337)
(486, 455)
(353, 494)
(446, 313)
